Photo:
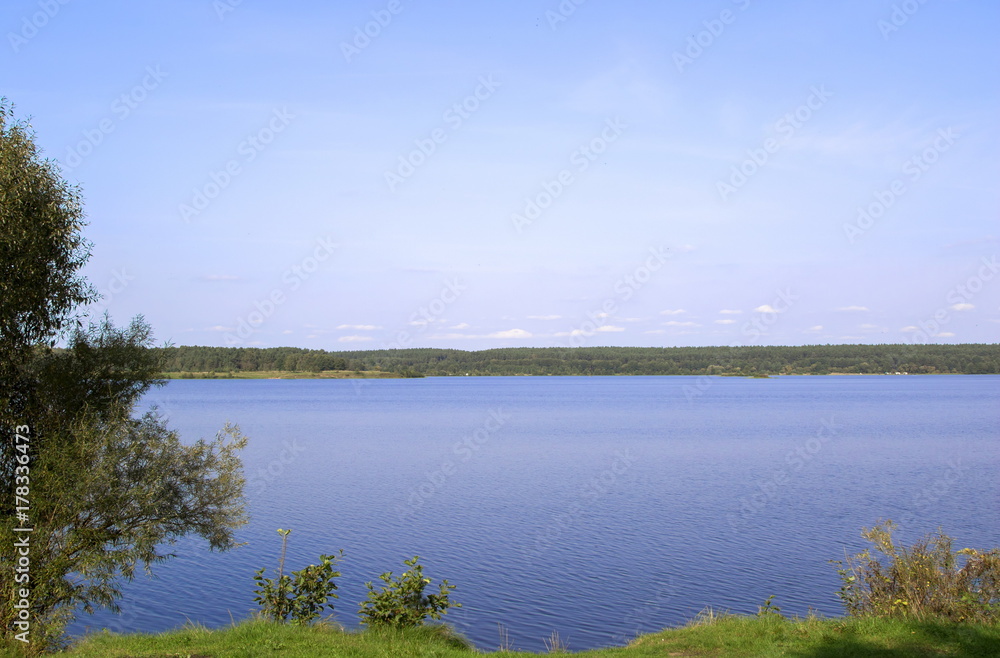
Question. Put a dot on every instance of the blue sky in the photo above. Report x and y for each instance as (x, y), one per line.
(529, 173)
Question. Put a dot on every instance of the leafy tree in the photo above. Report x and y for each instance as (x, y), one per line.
(41, 249)
(105, 489)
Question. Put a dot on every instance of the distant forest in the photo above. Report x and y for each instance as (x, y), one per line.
(745, 361)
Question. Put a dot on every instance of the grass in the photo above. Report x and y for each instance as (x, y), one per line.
(711, 634)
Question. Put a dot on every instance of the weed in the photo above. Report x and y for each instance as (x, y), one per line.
(925, 581)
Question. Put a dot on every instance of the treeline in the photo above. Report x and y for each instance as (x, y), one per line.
(251, 359)
(747, 361)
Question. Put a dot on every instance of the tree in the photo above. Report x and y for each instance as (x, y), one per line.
(102, 488)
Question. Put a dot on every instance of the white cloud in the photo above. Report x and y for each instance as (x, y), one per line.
(544, 317)
(725, 322)
(353, 339)
(610, 328)
(817, 327)
(729, 311)
(359, 327)
(510, 333)
(218, 327)
(220, 277)
(677, 311)
(944, 334)
(961, 307)
(655, 331)
(575, 332)
(910, 329)
(460, 325)
(766, 308)
(675, 323)
(853, 308)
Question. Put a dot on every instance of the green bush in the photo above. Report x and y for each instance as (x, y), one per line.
(769, 609)
(401, 603)
(925, 581)
(300, 596)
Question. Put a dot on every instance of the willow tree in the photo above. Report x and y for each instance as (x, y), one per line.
(90, 490)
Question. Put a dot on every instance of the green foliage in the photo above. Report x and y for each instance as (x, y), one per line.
(41, 247)
(401, 603)
(107, 488)
(301, 596)
(191, 359)
(769, 609)
(750, 361)
(924, 581)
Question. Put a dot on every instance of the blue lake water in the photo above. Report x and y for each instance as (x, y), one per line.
(596, 507)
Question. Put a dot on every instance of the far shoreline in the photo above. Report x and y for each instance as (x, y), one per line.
(378, 374)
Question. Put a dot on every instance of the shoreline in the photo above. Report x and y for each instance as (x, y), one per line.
(379, 374)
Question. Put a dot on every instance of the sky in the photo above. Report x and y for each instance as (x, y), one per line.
(389, 173)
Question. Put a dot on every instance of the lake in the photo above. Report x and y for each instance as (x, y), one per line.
(596, 507)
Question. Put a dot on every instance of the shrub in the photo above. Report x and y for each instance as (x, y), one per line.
(300, 596)
(769, 609)
(925, 581)
(401, 603)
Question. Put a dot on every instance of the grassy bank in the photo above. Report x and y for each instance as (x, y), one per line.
(710, 635)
